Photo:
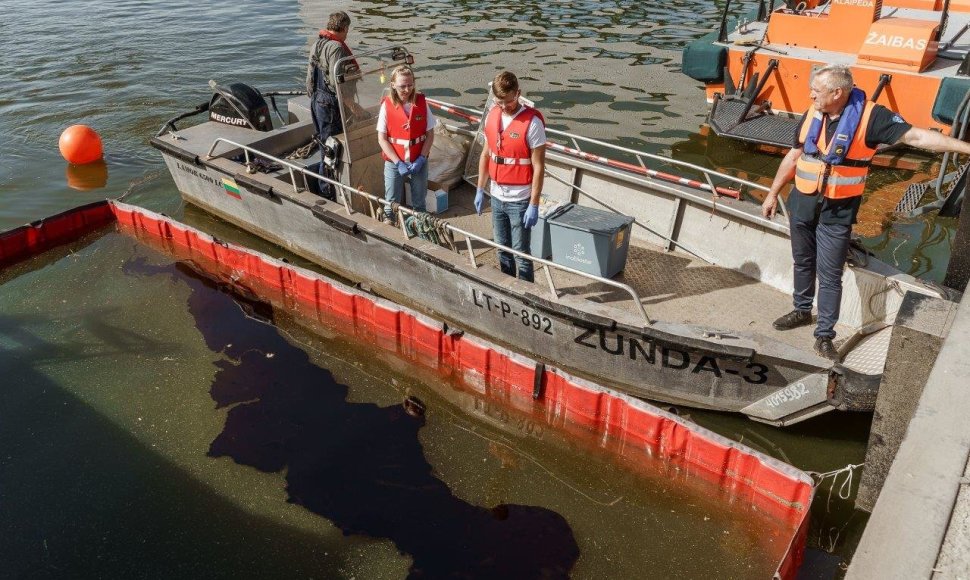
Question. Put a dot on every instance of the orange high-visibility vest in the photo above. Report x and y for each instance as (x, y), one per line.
(847, 179)
(510, 156)
(406, 131)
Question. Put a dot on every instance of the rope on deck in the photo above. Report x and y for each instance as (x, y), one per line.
(427, 227)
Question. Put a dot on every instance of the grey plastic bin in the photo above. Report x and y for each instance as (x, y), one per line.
(541, 247)
(590, 240)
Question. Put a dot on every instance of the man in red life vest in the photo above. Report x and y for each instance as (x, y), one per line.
(329, 48)
(829, 162)
(514, 157)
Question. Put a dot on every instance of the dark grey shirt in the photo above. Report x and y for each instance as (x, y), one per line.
(326, 52)
(885, 127)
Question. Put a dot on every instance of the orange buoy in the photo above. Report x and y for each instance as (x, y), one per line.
(80, 144)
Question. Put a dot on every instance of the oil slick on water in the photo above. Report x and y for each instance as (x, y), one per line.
(157, 423)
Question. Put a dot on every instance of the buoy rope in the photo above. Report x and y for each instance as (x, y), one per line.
(146, 177)
(538, 464)
(845, 490)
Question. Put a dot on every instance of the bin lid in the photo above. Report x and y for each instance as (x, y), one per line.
(592, 220)
(549, 207)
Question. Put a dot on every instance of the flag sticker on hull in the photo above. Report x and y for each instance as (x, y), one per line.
(231, 188)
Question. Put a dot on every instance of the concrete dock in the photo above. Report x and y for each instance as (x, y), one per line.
(920, 525)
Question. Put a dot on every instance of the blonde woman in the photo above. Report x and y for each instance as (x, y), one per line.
(405, 131)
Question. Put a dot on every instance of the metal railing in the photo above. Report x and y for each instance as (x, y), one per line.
(375, 202)
(475, 116)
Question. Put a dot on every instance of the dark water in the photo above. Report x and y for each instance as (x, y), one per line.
(162, 424)
(603, 69)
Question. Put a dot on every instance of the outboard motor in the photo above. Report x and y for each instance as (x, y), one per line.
(240, 105)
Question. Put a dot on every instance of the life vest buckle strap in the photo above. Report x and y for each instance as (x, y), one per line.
(407, 142)
(510, 160)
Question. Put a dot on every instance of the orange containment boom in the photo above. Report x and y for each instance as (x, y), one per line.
(568, 403)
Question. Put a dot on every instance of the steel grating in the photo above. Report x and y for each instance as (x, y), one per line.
(761, 128)
(915, 192)
(911, 198)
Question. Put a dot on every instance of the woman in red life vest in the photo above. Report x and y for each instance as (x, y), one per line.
(514, 158)
(405, 131)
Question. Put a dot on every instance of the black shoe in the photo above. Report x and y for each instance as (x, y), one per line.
(825, 349)
(793, 319)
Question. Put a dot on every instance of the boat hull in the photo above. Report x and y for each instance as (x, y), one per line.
(666, 362)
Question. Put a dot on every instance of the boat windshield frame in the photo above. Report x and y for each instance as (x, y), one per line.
(358, 97)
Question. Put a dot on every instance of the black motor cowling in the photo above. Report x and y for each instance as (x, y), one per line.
(241, 105)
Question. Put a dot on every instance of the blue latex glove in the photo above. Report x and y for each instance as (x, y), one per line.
(418, 164)
(531, 217)
(479, 200)
(402, 168)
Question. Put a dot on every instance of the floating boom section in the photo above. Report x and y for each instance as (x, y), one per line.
(565, 402)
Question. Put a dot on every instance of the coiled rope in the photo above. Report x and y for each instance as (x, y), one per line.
(427, 227)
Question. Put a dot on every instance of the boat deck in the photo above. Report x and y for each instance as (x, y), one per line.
(958, 42)
(673, 287)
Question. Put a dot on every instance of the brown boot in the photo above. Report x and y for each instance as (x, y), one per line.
(793, 319)
(825, 349)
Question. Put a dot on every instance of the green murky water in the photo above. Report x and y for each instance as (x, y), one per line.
(157, 425)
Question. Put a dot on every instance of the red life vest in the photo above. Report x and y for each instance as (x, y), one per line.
(509, 152)
(845, 180)
(406, 131)
(353, 66)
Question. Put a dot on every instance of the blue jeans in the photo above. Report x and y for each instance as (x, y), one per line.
(507, 230)
(394, 187)
(326, 119)
(819, 249)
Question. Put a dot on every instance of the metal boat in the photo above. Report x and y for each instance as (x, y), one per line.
(687, 321)
(909, 55)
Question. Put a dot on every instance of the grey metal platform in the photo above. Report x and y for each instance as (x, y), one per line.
(760, 127)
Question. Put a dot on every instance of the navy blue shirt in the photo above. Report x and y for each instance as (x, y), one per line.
(885, 128)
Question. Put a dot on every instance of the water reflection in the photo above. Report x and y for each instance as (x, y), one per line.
(86, 177)
(359, 465)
